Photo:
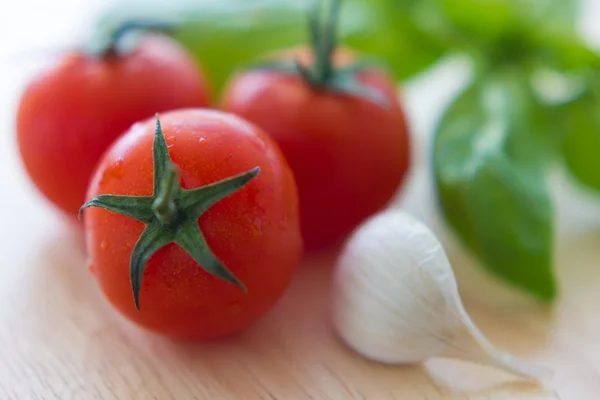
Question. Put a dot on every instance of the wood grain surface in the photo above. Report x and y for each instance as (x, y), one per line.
(60, 340)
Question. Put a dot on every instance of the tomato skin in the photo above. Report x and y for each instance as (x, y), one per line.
(72, 112)
(255, 232)
(349, 155)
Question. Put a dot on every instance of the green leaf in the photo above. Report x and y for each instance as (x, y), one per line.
(506, 31)
(482, 19)
(289, 67)
(223, 35)
(490, 20)
(491, 183)
(564, 51)
(396, 32)
(512, 216)
(581, 145)
(557, 14)
(222, 41)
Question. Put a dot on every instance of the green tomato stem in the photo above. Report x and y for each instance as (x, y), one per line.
(164, 206)
(323, 40)
(323, 75)
(111, 49)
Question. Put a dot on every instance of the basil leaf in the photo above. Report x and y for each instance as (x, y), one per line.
(485, 20)
(556, 14)
(581, 144)
(390, 29)
(564, 51)
(494, 18)
(224, 35)
(504, 31)
(512, 216)
(224, 43)
(556, 41)
(491, 183)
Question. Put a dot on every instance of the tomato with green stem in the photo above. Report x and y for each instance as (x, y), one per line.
(192, 228)
(70, 113)
(339, 124)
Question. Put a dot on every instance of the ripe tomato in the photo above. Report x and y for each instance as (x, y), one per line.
(254, 231)
(349, 153)
(71, 113)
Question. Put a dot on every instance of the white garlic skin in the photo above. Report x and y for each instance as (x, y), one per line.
(392, 291)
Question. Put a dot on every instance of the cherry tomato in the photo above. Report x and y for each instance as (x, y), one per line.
(254, 231)
(72, 112)
(349, 154)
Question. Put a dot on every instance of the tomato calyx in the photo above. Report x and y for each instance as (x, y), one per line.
(171, 215)
(322, 75)
(110, 43)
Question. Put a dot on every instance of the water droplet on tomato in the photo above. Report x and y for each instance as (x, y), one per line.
(171, 141)
(114, 171)
(190, 181)
(91, 268)
(202, 141)
(104, 245)
(117, 168)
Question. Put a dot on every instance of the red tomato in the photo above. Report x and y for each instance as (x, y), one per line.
(349, 154)
(72, 112)
(254, 232)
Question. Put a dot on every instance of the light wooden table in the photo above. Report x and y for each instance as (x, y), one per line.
(60, 340)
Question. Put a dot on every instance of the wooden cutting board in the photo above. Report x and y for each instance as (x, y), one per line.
(60, 340)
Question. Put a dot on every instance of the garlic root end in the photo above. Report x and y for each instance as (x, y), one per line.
(491, 355)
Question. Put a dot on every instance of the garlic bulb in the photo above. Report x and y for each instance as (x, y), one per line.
(395, 299)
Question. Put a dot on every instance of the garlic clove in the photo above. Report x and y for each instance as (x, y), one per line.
(395, 299)
(390, 312)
